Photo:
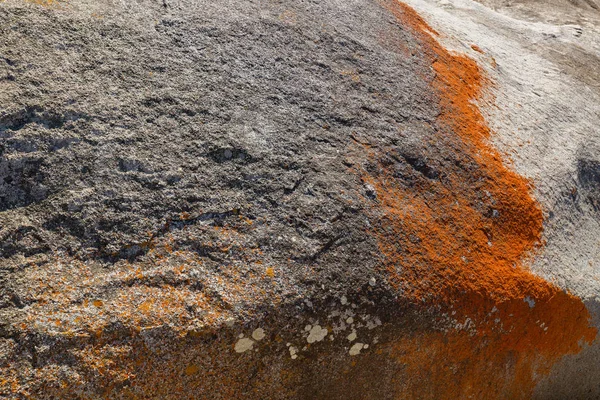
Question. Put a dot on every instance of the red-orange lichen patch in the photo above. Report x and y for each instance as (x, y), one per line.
(458, 244)
(477, 49)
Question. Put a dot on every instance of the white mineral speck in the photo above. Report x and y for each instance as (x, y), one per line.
(356, 348)
(352, 336)
(316, 334)
(258, 334)
(293, 352)
(243, 344)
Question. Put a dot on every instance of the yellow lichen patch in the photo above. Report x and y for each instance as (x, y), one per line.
(45, 3)
(103, 361)
(352, 73)
(10, 384)
(146, 306)
(168, 288)
(191, 370)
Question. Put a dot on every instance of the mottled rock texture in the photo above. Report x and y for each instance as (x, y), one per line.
(265, 199)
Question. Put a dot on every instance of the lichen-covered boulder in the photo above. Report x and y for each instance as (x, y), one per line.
(277, 199)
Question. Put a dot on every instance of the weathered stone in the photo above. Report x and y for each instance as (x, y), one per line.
(272, 199)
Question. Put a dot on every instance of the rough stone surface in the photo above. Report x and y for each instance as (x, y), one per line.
(252, 199)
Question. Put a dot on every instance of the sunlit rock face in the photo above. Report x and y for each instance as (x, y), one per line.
(284, 200)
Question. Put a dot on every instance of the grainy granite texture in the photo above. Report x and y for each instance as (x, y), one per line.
(193, 205)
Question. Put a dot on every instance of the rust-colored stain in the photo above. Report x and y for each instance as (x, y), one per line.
(459, 244)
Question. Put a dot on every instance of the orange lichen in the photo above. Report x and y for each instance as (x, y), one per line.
(457, 243)
(442, 250)
(477, 48)
(191, 370)
(45, 3)
(146, 306)
(352, 73)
